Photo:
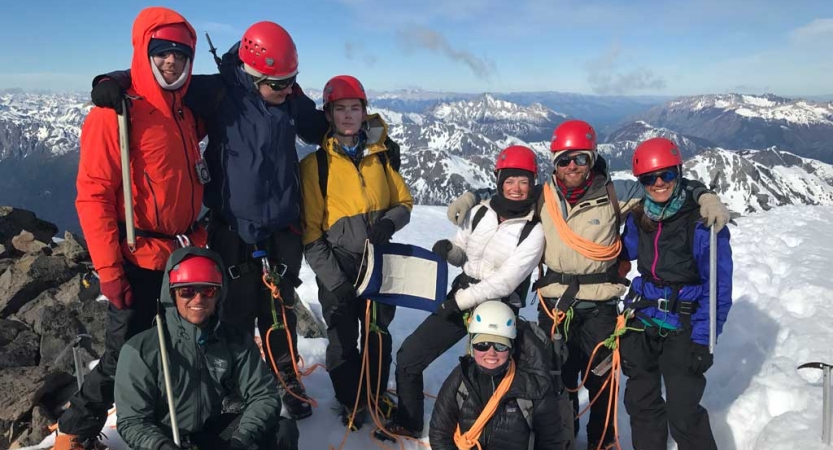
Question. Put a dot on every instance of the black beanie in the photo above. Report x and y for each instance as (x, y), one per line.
(157, 46)
(503, 174)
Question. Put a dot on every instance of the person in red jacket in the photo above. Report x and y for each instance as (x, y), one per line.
(167, 194)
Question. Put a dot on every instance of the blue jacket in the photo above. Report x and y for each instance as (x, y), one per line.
(652, 250)
(251, 151)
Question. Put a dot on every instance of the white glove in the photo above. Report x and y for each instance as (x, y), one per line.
(460, 206)
(713, 211)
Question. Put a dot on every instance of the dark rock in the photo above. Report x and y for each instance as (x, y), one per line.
(73, 248)
(15, 220)
(30, 275)
(2, 250)
(37, 430)
(25, 242)
(5, 427)
(18, 345)
(65, 294)
(59, 327)
(21, 388)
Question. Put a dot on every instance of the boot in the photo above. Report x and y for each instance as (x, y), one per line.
(75, 442)
(396, 429)
(353, 421)
(296, 408)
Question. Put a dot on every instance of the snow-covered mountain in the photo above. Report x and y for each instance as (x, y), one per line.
(750, 121)
(33, 124)
(618, 147)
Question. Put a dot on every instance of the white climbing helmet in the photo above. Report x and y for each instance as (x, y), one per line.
(493, 317)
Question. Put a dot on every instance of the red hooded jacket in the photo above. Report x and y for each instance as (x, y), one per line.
(164, 148)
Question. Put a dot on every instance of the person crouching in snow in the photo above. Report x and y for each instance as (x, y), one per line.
(351, 195)
(498, 245)
(208, 360)
(669, 301)
(497, 399)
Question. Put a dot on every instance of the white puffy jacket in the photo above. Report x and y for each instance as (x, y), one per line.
(491, 254)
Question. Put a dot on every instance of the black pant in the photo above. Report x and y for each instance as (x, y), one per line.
(217, 433)
(88, 407)
(343, 358)
(248, 298)
(647, 359)
(432, 338)
(583, 332)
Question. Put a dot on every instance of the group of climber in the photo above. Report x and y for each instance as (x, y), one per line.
(267, 210)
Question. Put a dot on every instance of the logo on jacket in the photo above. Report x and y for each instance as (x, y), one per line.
(594, 222)
(216, 365)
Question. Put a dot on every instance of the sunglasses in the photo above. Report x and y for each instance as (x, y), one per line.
(485, 346)
(581, 160)
(179, 56)
(279, 85)
(189, 292)
(667, 176)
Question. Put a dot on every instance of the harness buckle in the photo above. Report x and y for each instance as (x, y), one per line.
(662, 305)
(234, 272)
(280, 269)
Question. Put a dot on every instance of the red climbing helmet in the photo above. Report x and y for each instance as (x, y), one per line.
(195, 270)
(573, 135)
(517, 157)
(344, 86)
(268, 49)
(654, 154)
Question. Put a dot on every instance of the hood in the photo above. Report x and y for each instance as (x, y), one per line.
(231, 71)
(376, 132)
(144, 83)
(172, 316)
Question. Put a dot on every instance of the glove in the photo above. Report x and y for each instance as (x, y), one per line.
(448, 308)
(288, 434)
(108, 93)
(699, 359)
(460, 206)
(236, 444)
(118, 293)
(168, 445)
(394, 156)
(344, 293)
(442, 248)
(381, 232)
(713, 211)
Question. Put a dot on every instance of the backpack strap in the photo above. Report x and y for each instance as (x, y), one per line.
(526, 407)
(478, 216)
(528, 226)
(323, 170)
(614, 201)
(383, 158)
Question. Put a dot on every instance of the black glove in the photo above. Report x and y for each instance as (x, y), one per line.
(394, 156)
(168, 445)
(442, 248)
(381, 232)
(235, 444)
(108, 93)
(448, 308)
(344, 293)
(288, 434)
(699, 359)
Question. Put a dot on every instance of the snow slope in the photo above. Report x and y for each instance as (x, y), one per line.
(756, 397)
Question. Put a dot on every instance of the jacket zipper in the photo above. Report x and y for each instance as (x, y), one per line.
(656, 251)
(153, 196)
(178, 112)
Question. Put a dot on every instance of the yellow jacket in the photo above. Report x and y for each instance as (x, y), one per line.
(358, 195)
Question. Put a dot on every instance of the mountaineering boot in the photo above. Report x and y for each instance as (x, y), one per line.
(296, 408)
(355, 422)
(75, 442)
(387, 406)
(396, 429)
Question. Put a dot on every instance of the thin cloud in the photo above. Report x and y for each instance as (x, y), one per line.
(355, 51)
(604, 78)
(813, 31)
(420, 37)
(218, 28)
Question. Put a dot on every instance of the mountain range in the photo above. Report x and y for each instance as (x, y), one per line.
(757, 151)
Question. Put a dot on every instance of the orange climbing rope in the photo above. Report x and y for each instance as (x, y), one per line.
(470, 439)
(586, 248)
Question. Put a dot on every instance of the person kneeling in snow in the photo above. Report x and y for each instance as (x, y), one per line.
(208, 360)
(500, 397)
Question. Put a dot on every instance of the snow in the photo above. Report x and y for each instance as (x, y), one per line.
(756, 398)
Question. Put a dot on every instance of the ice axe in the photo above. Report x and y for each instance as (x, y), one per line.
(126, 185)
(826, 415)
(166, 371)
(712, 289)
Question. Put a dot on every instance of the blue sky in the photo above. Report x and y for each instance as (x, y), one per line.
(631, 47)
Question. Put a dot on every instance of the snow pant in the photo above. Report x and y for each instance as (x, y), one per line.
(648, 358)
(344, 323)
(88, 407)
(592, 322)
(217, 433)
(248, 298)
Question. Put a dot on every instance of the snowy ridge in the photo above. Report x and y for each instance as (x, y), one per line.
(40, 123)
(620, 144)
(767, 107)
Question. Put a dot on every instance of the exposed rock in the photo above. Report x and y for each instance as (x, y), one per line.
(21, 388)
(73, 248)
(25, 242)
(59, 327)
(65, 294)
(18, 345)
(30, 275)
(14, 220)
(36, 431)
(2, 251)
(308, 325)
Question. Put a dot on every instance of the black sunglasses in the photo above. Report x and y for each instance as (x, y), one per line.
(581, 160)
(666, 175)
(484, 347)
(179, 56)
(189, 292)
(279, 85)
